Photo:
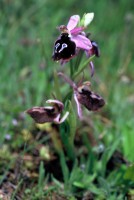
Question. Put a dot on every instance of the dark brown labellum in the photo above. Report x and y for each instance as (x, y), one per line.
(64, 48)
(89, 99)
(42, 114)
(95, 49)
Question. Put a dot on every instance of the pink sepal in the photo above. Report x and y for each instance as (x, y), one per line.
(73, 21)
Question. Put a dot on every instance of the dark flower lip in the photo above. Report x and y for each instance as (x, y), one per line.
(48, 113)
(64, 48)
(42, 114)
(91, 100)
(95, 49)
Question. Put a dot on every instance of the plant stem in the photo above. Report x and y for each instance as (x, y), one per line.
(83, 66)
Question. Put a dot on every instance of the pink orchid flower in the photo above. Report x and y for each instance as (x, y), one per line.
(48, 113)
(73, 38)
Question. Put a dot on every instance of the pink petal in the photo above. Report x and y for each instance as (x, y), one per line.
(76, 30)
(57, 119)
(73, 21)
(82, 42)
(79, 110)
(92, 68)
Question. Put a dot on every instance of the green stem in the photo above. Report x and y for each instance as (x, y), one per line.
(78, 60)
(71, 68)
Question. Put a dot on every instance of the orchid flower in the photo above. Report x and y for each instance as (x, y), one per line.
(73, 38)
(84, 96)
(48, 113)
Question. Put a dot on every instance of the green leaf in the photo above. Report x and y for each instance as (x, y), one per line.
(128, 139)
(79, 185)
(104, 184)
(83, 66)
(129, 174)
(68, 130)
(108, 153)
(76, 175)
(41, 176)
(56, 182)
(64, 167)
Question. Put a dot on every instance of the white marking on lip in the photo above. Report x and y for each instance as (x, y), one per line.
(56, 47)
(64, 45)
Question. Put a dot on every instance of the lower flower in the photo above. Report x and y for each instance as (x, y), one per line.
(84, 96)
(48, 113)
